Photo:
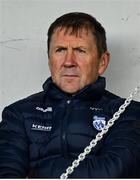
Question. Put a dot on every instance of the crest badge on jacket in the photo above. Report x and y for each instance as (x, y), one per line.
(99, 122)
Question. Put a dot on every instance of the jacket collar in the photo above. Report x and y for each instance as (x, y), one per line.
(91, 91)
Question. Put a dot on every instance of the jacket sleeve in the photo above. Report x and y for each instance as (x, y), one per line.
(13, 145)
(118, 154)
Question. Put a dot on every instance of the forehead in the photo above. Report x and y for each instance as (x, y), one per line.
(79, 34)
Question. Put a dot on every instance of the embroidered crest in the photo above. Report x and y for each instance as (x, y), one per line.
(99, 122)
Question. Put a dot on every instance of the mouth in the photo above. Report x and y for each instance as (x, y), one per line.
(70, 73)
(70, 77)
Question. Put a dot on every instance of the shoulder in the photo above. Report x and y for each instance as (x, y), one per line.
(25, 104)
(133, 110)
(34, 98)
(114, 102)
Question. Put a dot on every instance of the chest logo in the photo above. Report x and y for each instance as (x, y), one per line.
(37, 127)
(99, 122)
(48, 109)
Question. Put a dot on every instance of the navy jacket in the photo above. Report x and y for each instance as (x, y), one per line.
(41, 135)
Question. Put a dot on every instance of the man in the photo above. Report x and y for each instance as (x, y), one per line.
(41, 135)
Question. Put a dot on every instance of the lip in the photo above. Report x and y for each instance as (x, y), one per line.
(70, 76)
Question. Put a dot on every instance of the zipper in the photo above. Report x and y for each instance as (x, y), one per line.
(64, 145)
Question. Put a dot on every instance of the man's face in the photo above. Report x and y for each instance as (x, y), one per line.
(73, 60)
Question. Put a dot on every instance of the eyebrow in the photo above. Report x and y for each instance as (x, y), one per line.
(77, 47)
(59, 46)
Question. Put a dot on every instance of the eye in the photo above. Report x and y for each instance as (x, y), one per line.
(61, 49)
(79, 50)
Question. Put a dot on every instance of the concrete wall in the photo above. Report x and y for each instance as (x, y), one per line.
(23, 57)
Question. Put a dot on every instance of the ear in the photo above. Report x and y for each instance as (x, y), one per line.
(104, 61)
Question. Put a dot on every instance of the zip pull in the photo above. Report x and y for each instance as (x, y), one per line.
(68, 101)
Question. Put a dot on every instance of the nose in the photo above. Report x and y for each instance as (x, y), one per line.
(69, 59)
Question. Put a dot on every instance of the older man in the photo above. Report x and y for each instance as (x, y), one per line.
(41, 135)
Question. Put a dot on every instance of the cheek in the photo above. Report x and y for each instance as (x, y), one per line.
(55, 69)
(89, 71)
(54, 65)
(85, 68)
